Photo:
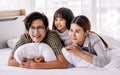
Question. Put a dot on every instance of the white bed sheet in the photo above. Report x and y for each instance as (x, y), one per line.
(9, 70)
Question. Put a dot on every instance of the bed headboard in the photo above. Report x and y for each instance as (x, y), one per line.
(11, 26)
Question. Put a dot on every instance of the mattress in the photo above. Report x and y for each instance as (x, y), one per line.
(10, 70)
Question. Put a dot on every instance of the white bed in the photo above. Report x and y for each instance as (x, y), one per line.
(9, 70)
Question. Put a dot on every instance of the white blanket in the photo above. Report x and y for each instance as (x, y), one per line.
(10, 70)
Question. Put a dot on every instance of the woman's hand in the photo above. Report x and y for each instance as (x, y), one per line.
(80, 53)
(39, 59)
(74, 49)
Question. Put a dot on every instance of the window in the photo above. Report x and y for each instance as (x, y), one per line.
(103, 14)
(16, 5)
(108, 17)
(49, 7)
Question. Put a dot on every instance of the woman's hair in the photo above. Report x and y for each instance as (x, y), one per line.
(84, 22)
(64, 13)
(33, 16)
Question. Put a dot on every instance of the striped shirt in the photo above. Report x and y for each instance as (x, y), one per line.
(51, 38)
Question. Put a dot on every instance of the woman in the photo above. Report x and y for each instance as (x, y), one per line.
(88, 48)
(37, 27)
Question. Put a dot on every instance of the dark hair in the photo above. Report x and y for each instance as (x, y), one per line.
(64, 13)
(84, 22)
(33, 16)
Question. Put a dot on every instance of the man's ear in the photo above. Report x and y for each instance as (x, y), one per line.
(46, 28)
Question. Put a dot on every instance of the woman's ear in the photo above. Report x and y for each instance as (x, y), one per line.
(87, 32)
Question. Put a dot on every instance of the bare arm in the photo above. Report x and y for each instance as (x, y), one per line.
(78, 52)
(54, 42)
(60, 63)
(12, 61)
(25, 38)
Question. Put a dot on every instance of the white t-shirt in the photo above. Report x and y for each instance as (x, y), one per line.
(65, 37)
(31, 50)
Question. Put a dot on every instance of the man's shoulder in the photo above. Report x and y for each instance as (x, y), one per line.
(51, 33)
(51, 36)
(25, 35)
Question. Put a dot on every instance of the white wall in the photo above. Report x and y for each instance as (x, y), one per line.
(10, 29)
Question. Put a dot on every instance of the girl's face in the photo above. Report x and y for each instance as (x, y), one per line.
(77, 34)
(37, 30)
(60, 24)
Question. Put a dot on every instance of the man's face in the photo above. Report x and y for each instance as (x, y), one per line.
(37, 30)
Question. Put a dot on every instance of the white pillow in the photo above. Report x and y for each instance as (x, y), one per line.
(76, 60)
(12, 42)
(31, 50)
(114, 56)
(112, 42)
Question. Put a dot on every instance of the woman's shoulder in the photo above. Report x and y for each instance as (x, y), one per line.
(93, 35)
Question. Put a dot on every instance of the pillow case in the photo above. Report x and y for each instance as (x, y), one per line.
(112, 42)
(114, 56)
(31, 50)
(12, 42)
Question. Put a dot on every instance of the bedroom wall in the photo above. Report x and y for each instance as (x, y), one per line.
(10, 29)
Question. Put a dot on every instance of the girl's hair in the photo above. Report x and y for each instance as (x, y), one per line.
(33, 16)
(64, 13)
(84, 22)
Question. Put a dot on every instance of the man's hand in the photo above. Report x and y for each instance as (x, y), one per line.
(39, 59)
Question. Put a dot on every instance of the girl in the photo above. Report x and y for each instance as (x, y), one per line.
(61, 24)
(89, 48)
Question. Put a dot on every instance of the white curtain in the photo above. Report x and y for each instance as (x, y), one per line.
(108, 17)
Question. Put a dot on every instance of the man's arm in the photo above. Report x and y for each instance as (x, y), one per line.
(12, 61)
(55, 43)
(60, 63)
(25, 38)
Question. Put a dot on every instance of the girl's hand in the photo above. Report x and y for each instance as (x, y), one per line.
(39, 59)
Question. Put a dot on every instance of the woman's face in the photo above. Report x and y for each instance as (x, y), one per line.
(77, 34)
(60, 24)
(37, 30)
